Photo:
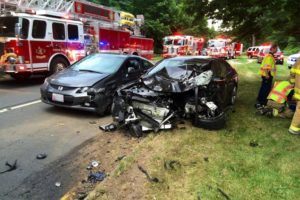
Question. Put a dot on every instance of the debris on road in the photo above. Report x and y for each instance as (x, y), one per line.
(11, 167)
(93, 122)
(108, 128)
(253, 143)
(58, 184)
(224, 194)
(172, 164)
(120, 158)
(206, 159)
(41, 156)
(149, 178)
(97, 176)
(95, 163)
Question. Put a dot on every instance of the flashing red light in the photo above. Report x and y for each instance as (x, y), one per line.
(21, 68)
(177, 33)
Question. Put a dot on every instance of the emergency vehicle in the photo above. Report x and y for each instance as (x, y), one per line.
(179, 45)
(38, 36)
(224, 48)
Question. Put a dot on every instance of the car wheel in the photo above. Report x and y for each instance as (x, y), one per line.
(213, 123)
(58, 64)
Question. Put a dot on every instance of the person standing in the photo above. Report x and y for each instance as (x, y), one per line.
(295, 74)
(267, 72)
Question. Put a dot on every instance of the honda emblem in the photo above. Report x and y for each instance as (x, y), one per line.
(60, 88)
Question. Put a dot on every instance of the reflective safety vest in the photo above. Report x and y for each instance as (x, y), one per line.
(295, 73)
(268, 66)
(280, 91)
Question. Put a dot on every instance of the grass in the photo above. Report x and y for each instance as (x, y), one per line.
(223, 160)
(216, 164)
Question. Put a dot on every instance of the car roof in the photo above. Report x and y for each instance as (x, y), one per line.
(208, 58)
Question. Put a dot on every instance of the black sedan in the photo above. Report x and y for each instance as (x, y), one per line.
(198, 88)
(91, 82)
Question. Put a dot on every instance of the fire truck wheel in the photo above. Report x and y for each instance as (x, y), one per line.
(58, 64)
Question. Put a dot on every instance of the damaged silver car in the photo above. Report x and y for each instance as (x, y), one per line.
(199, 89)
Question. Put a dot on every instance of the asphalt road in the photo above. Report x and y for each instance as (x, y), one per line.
(29, 127)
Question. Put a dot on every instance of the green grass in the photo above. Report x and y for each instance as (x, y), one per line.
(269, 171)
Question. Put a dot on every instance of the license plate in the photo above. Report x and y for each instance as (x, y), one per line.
(57, 97)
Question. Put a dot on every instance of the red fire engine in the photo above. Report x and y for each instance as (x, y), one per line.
(224, 48)
(179, 45)
(38, 36)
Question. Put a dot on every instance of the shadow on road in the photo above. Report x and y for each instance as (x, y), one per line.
(74, 113)
(7, 82)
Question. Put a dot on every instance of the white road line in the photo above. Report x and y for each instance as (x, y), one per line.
(19, 106)
(3, 110)
(25, 104)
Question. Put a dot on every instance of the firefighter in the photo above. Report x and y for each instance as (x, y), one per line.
(295, 76)
(278, 101)
(267, 72)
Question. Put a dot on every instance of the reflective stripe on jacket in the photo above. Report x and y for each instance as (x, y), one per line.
(268, 66)
(280, 91)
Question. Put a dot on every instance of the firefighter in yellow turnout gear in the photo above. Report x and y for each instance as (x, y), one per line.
(267, 73)
(295, 76)
(278, 98)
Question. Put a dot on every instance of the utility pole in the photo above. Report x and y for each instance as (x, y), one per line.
(253, 40)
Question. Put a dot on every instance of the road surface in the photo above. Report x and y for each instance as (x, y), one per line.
(29, 127)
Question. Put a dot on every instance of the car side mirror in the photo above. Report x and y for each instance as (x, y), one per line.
(18, 29)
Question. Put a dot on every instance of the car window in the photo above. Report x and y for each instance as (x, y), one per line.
(146, 64)
(219, 69)
(73, 32)
(134, 64)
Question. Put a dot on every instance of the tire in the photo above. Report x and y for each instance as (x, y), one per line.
(215, 123)
(58, 64)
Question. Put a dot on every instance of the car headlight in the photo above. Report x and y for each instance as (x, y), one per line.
(82, 90)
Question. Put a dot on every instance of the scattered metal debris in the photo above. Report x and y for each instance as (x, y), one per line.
(149, 178)
(172, 164)
(95, 163)
(58, 184)
(253, 143)
(97, 176)
(224, 194)
(108, 128)
(41, 156)
(120, 158)
(81, 195)
(11, 167)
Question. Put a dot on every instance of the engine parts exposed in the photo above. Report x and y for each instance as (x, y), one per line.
(198, 89)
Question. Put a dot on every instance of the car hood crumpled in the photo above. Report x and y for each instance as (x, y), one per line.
(72, 78)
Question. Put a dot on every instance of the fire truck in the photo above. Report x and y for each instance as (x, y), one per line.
(179, 45)
(38, 36)
(224, 48)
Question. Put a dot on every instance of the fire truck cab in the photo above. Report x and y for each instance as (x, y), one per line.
(179, 45)
(224, 48)
(33, 43)
(35, 38)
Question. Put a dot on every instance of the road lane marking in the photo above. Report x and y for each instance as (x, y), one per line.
(19, 106)
(25, 104)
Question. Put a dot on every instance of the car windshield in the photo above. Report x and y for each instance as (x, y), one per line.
(169, 41)
(99, 63)
(175, 69)
(7, 26)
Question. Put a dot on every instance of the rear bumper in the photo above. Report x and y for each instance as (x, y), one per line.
(14, 68)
